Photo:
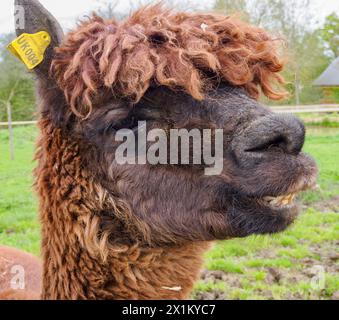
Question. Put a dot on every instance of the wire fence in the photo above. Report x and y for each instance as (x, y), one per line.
(317, 108)
(18, 123)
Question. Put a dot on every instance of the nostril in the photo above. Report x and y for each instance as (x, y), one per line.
(273, 133)
(278, 143)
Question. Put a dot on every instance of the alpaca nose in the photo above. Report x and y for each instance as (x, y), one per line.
(272, 133)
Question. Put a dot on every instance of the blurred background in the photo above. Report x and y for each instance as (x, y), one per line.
(301, 263)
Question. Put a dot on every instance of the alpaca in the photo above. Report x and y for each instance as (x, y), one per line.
(139, 231)
(9, 260)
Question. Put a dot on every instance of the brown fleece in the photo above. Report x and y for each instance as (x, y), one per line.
(9, 258)
(76, 264)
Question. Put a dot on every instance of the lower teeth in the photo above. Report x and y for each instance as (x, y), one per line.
(280, 200)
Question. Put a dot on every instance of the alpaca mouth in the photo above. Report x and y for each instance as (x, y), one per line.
(288, 200)
(268, 214)
(280, 202)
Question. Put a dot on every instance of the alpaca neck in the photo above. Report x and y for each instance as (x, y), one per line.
(73, 264)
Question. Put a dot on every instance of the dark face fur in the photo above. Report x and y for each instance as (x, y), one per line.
(174, 203)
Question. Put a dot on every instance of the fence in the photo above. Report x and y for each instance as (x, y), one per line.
(319, 108)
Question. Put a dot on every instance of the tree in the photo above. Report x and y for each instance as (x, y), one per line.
(16, 90)
(108, 9)
(230, 7)
(16, 85)
(182, 5)
(258, 12)
(291, 20)
(330, 34)
(113, 9)
(8, 105)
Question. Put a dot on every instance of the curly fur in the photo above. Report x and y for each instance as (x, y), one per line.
(79, 262)
(157, 46)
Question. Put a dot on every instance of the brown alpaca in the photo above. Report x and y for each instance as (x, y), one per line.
(9, 258)
(139, 231)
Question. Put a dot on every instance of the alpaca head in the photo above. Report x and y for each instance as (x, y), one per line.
(166, 71)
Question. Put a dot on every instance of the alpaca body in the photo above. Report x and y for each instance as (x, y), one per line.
(10, 260)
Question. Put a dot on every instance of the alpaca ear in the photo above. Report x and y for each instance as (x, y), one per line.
(31, 17)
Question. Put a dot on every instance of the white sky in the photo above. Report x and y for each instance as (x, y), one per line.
(67, 11)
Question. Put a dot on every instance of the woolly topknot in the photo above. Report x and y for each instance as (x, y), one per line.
(188, 51)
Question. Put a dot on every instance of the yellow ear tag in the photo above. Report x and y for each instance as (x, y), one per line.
(30, 48)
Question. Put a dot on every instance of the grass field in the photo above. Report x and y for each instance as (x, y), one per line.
(301, 263)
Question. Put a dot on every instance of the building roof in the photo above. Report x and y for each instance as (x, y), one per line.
(330, 77)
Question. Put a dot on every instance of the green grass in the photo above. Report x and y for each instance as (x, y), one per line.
(325, 150)
(247, 263)
(325, 123)
(329, 120)
(18, 208)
